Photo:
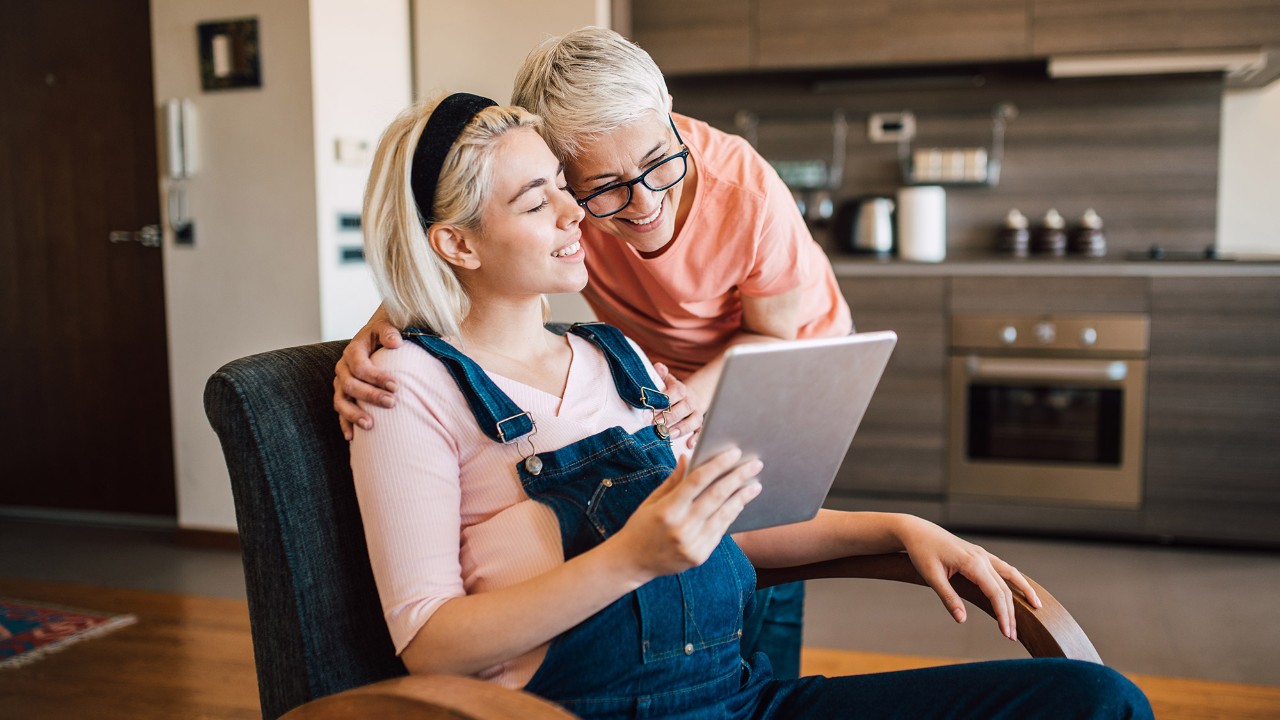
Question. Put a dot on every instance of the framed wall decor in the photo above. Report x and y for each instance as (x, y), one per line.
(229, 54)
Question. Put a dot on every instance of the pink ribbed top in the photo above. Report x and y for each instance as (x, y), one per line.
(444, 513)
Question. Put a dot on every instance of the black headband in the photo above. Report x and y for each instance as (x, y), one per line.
(443, 128)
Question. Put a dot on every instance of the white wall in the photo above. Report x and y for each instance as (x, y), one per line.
(249, 283)
(476, 46)
(361, 78)
(1249, 171)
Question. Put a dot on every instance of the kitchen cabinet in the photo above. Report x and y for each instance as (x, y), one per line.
(899, 451)
(690, 37)
(1213, 421)
(743, 35)
(1029, 294)
(1091, 26)
(835, 33)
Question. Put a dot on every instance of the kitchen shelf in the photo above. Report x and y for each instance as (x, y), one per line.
(946, 173)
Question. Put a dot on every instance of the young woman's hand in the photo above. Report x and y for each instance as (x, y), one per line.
(680, 524)
(357, 378)
(937, 555)
(686, 408)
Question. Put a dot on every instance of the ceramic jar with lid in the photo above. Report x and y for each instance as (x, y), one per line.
(1051, 237)
(1088, 239)
(1014, 237)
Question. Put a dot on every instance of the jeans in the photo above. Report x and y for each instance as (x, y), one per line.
(1048, 688)
(774, 627)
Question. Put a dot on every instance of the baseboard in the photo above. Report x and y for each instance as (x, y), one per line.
(207, 539)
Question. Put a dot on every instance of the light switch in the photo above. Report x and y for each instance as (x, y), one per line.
(352, 150)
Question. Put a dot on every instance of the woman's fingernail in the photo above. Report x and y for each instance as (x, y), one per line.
(388, 401)
(391, 386)
(365, 423)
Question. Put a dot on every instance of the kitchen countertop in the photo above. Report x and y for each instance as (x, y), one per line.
(848, 265)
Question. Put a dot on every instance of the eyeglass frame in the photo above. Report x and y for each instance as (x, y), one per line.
(639, 179)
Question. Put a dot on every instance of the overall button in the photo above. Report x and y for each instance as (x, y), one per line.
(688, 649)
(662, 430)
(607, 482)
(533, 464)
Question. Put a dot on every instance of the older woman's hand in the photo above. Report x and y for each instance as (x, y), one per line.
(937, 555)
(356, 378)
(686, 408)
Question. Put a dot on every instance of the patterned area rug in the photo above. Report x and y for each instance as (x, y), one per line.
(29, 631)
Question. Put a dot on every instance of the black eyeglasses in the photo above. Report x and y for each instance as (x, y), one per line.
(613, 199)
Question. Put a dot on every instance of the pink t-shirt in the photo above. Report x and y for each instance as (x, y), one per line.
(743, 237)
(443, 509)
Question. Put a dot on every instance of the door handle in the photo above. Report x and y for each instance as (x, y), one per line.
(149, 236)
(1105, 371)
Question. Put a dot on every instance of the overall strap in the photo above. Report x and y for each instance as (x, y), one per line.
(498, 416)
(629, 373)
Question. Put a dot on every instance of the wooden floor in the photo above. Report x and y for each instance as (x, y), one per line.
(190, 657)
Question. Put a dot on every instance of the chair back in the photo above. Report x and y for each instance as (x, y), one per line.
(317, 623)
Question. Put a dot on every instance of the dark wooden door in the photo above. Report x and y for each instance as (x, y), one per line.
(85, 421)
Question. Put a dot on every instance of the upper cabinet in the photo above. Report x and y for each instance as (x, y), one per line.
(691, 37)
(1102, 26)
(834, 33)
(728, 35)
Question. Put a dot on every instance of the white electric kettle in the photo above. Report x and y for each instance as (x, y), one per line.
(865, 225)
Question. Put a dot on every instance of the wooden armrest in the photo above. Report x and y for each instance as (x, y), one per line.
(430, 697)
(1047, 632)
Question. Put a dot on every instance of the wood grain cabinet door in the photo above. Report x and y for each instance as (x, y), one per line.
(691, 37)
(958, 30)
(1086, 26)
(1213, 409)
(822, 33)
(835, 33)
(900, 448)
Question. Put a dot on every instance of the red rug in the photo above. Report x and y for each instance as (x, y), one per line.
(29, 631)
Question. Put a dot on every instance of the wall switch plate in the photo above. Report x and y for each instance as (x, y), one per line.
(352, 150)
(891, 127)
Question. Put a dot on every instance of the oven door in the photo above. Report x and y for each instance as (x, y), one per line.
(1054, 431)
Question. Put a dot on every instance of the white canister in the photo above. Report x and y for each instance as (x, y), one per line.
(922, 223)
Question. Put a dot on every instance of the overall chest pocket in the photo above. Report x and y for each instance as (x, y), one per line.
(698, 609)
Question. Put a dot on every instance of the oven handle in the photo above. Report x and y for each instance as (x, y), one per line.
(1111, 371)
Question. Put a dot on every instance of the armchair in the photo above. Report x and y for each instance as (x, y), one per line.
(320, 643)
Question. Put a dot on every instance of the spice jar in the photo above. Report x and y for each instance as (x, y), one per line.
(1088, 239)
(1051, 237)
(1014, 238)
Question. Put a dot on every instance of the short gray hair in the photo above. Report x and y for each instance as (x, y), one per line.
(418, 287)
(587, 83)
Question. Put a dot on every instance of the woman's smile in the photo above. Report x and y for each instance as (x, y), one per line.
(572, 252)
(651, 221)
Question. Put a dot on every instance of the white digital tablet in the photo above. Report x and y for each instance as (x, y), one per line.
(795, 405)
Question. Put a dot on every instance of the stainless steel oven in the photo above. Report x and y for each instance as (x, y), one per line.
(1048, 409)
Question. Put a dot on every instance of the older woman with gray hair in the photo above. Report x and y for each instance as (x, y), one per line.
(528, 517)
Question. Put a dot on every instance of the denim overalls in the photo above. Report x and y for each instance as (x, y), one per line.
(670, 648)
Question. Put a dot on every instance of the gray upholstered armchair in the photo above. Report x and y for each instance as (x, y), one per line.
(320, 643)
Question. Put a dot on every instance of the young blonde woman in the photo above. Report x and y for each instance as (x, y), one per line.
(530, 520)
(694, 245)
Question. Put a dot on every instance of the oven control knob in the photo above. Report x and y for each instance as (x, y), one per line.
(1046, 332)
(1008, 334)
(1088, 336)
